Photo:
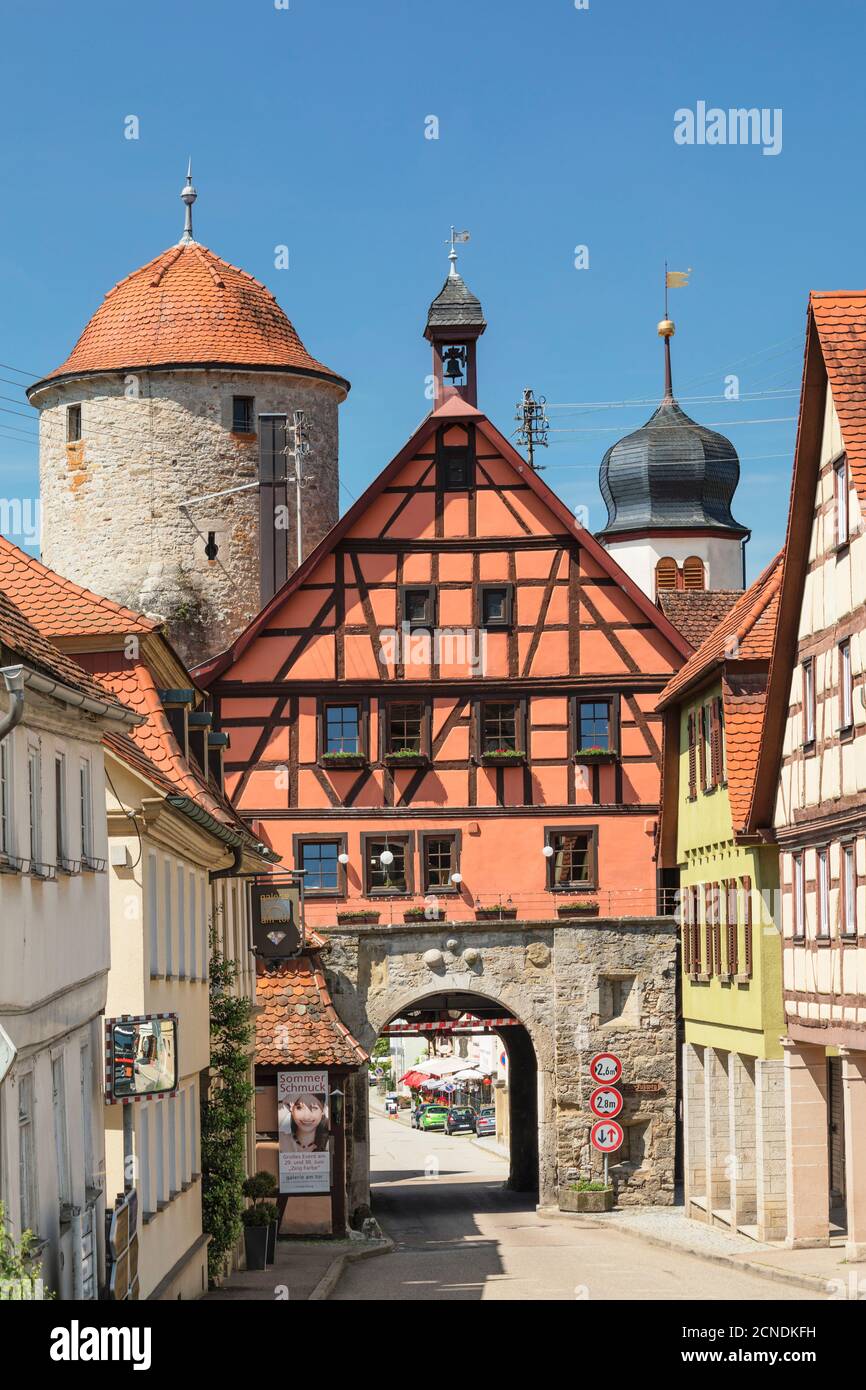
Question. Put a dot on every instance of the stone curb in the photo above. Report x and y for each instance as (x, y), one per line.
(779, 1276)
(331, 1278)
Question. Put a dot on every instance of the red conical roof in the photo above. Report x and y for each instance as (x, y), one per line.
(189, 308)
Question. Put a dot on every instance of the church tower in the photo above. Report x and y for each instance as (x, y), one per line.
(167, 446)
(668, 489)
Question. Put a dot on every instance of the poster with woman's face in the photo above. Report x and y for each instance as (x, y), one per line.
(305, 1131)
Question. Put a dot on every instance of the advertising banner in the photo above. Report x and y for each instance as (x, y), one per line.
(305, 1131)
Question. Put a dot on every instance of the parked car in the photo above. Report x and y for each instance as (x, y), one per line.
(460, 1117)
(433, 1117)
(485, 1120)
(415, 1117)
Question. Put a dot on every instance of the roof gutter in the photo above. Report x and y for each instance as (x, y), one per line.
(107, 709)
(238, 843)
(13, 679)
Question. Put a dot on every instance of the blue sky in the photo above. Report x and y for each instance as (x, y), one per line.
(306, 127)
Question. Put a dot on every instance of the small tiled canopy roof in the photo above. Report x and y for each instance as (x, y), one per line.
(455, 306)
(297, 1024)
(57, 605)
(189, 308)
(20, 638)
(697, 611)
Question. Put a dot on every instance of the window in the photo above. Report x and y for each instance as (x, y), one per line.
(34, 806)
(667, 573)
(716, 727)
(823, 893)
(405, 728)
(73, 424)
(841, 494)
(159, 1142)
(439, 855)
(85, 812)
(748, 947)
(498, 728)
(693, 757)
(243, 415)
(29, 1208)
(617, 998)
(808, 669)
(193, 929)
(418, 605)
(86, 1072)
(846, 686)
(693, 573)
(61, 1132)
(181, 922)
(573, 862)
(849, 891)
(593, 724)
(60, 809)
(169, 1102)
(393, 877)
(194, 1154)
(342, 729)
(144, 1177)
(496, 606)
(731, 923)
(456, 470)
(320, 860)
(166, 908)
(799, 897)
(184, 1140)
(153, 913)
(202, 917)
(714, 928)
(5, 797)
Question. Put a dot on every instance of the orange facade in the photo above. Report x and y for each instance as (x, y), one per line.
(459, 676)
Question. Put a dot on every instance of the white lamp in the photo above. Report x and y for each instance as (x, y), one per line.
(547, 851)
(386, 858)
(457, 877)
(343, 858)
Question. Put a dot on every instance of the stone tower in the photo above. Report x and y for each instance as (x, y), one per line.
(668, 488)
(166, 446)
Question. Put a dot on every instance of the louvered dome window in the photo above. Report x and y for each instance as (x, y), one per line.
(670, 576)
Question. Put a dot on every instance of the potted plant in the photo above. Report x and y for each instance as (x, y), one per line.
(257, 1223)
(502, 757)
(587, 1195)
(259, 1187)
(496, 914)
(585, 907)
(423, 914)
(406, 757)
(364, 914)
(595, 754)
(342, 758)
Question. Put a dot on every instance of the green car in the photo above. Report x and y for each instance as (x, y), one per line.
(434, 1117)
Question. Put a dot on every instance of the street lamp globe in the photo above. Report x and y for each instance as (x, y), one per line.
(386, 858)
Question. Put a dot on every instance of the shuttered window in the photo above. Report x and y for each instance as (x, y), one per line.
(799, 897)
(732, 926)
(693, 573)
(666, 574)
(747, 924)
(693, 770)
(686, 924)
(709, 929)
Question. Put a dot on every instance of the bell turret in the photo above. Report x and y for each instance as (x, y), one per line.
(455, 322)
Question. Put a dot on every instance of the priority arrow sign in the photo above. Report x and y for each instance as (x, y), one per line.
(606, 1135)
(606, 1102)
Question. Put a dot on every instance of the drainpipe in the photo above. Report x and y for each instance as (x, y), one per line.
(13, 677)
(234, 867)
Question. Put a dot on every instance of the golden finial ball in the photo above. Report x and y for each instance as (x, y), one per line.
(666, 328)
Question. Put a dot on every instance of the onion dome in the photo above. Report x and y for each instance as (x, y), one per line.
(189, 308)
(670, 475)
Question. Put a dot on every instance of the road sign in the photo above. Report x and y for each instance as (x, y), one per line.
(606, 1135)
(605, 1102)
(605, 1069)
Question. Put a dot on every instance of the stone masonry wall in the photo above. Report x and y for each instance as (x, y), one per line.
(118, 509)
(558, 980)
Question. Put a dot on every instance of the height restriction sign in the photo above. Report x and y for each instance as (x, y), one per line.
(605, 1102)
(606, 1135)
(605, 1069)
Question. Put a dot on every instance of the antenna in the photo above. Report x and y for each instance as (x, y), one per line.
(533, 425)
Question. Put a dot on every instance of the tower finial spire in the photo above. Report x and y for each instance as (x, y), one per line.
(188, 195)
(452, 254)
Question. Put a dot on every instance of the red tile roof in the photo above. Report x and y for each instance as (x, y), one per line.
(58, 606)
(187, 306)
(744, 700)
(297, 1024)
(695, 612)
(840, 318)
(747, 632)
(22, 639)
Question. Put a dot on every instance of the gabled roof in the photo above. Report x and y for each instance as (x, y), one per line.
(22, 639)
(695, 612)
(835, 355)
(454, 409)
(297, 1024)
(58, 605)
(187, 307)
(746, 633)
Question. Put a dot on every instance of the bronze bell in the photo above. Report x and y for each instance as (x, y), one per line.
(454, 364)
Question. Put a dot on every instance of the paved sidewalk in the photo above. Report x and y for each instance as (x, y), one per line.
(302, 1270)
(823, 1269)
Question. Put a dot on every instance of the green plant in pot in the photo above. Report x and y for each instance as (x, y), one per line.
(262, 1216)
(257, 1226)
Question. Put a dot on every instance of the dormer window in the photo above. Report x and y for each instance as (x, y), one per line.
(176, 704)
(456, 473)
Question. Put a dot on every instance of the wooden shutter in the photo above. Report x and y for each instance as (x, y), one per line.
(686, 922)
(731, 916)
(693, 573)
(693, 772)
(702, 744)
(696, 929)
(747, 924)
(709, 930)
(716, 760)
(666, 574)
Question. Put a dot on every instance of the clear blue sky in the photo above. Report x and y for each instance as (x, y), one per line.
(306, 127)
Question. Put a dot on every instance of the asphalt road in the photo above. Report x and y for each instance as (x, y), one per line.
(459, 1236)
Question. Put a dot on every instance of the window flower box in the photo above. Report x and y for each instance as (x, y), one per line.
(589, 908)
(423, 914)
(364, 916)
(596, 755)
(341, 760)
(406, 757)
(495, 914)
(503, 757)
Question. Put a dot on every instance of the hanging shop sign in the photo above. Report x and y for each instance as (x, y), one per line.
(277, 918)
(305, 1131)
(140, 1058)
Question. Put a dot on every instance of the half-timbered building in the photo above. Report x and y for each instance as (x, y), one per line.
(449, 708)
